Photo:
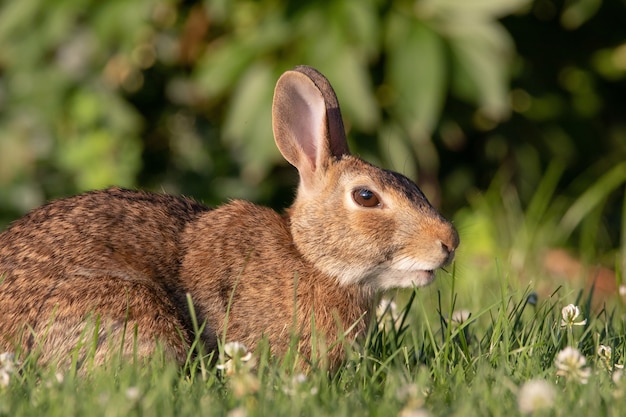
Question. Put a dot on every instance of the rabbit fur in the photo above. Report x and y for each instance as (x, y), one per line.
(115, 266)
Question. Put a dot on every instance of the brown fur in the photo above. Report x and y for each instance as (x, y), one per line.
(126, 259)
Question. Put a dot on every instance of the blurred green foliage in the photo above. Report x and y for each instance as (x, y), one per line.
(176, 96)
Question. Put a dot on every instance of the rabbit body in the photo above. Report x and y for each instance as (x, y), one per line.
(115, 266)
(132, 257)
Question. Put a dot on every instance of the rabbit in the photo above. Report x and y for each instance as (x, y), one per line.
(111, 270)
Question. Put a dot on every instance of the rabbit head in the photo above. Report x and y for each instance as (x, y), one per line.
(356, 222)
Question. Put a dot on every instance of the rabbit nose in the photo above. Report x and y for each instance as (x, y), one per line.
(447, 248)
(450, 243)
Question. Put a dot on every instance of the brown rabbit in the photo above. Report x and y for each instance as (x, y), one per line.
(124, 261)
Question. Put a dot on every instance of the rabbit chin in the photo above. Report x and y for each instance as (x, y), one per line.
(396, 278)
(384, 276)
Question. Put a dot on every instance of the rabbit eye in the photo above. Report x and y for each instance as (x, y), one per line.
(365, 198)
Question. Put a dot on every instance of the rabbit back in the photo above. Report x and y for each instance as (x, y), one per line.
(111, 254)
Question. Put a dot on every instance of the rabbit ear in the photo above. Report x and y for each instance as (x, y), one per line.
(307, 123)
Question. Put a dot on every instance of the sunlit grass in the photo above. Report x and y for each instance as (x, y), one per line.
(424, 358)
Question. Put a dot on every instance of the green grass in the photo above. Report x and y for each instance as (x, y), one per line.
(417, 362)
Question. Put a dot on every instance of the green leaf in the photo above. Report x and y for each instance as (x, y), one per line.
(482, 54)
(221, 67)
(98, 159)
(592, 197)
(360, 23)
(469, 10)
(394, 148)
(331, 53)
(248, 125)
(353, 86)
(16, 15)
(416, 73)
(577, 12)
(224, 62)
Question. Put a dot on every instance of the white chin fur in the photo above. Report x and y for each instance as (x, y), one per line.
(386, 278)
(404, 273)
(408, 265)
(393, 278)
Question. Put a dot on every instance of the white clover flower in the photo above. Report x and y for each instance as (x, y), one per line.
(297, 382)
(413, 412)
(299, 378)
(243, 384)
(133, 393)
(606, 355)
(622, 290)
(408, 392)
(569, 314)
(234, 357)
(7, 361)
(460, 316)
(237, 412)
(534, 395)
(56, 379)
(5, 378)
(571, 364)
(413, 397)
(8, 366)
(295, 385)
(605, 352)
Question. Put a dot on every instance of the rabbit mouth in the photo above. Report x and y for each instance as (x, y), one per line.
(419, 278)
(425, 277)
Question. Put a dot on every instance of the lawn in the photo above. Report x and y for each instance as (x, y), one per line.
(499, 349)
